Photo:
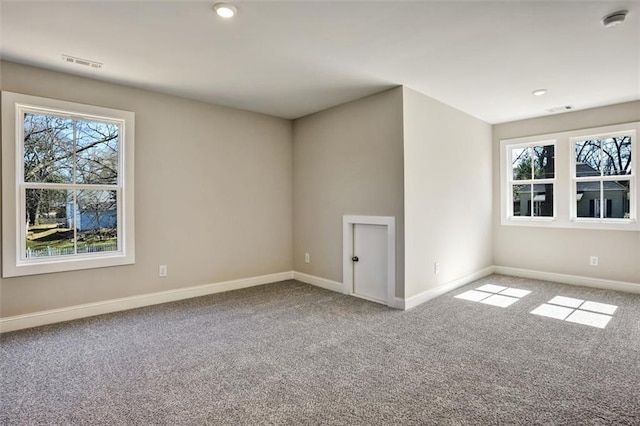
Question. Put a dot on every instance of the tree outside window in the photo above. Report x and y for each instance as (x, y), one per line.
(602, 174)
(532, 180)
(70, 179)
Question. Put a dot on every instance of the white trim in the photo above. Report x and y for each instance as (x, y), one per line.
(432, 293)
(623, 286)
(318, 281)
(53, 316)
(347, 251)
(13, 229)
(601, 221)
(565, 193)
(398, 302)
(35, 319)
(506, 179)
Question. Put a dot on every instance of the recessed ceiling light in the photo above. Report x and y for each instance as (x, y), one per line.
(225, 10)
(539, 92)
(615, 18)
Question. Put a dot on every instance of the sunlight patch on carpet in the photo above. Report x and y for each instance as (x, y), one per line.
(473, 295)
(494, 295)
(501, 301)
(552, 311)
(569, 302)
(589, 318)
(578, 311)
(491, 288)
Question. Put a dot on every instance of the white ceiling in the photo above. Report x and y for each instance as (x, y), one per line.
(293, 58)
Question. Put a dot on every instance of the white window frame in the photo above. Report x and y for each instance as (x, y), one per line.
(602, 178)
(14, 262)
(506, 161)
(565, 183)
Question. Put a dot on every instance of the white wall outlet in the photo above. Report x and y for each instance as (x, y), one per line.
(593, 261)
(162, 271)
(307, 258)
(436, 268)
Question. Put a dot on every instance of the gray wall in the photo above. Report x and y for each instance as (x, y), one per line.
(213, 195)
(347, 160)
(448, 193)
(565, 251)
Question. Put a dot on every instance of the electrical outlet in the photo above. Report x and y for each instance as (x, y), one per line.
(436, 268)
(593, 261)
(162, 271)
(307, 258)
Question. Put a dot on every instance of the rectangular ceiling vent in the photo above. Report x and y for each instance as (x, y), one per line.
(560, 109)
(80, 61)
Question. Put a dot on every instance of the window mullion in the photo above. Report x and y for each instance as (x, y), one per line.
(601, 179)
(75, 225)
(80, 186)
(532, 204)
(602, 203)
(531, 195)
(74, 181)
(614, 178)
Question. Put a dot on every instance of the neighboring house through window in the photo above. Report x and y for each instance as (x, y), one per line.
(602, 176)
(531, 180)
(578, 179)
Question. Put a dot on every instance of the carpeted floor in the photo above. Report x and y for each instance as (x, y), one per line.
(291, 353)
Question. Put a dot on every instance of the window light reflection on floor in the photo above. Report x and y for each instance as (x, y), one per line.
(494, 295)
(577, 311)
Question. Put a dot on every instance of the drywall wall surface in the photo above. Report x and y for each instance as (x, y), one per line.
(347, 161)
(213, 196)
(566, 251)
(448, 193)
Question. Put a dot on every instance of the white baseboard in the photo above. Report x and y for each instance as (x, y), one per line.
(569, 279)
(398, 303)
(318, 282)
(19, 322)
(432, 293)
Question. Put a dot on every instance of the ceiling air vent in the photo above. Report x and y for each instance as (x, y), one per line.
(83, 62)
(560, 109)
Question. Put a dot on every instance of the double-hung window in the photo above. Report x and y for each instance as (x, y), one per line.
(531, 180)
(67, 186)
(603, 177)
(576, 179)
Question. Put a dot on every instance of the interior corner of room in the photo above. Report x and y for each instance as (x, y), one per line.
(230, 198)
(232, 192)
(319, 212)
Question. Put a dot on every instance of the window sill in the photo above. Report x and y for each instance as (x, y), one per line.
(520, 219)
(52, 265)
(597, 222)
(590, 224)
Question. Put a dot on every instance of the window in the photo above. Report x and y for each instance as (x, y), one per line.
(578, 179)
(602, 177)
(531, 180)
(67, 186)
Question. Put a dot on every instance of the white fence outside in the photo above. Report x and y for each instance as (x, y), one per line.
(48, 220)
(66, 251)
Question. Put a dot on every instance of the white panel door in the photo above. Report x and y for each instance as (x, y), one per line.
(370, 268)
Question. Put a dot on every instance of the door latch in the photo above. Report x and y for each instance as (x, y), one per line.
(355, 258)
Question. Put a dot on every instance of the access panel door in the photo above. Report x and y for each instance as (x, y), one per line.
(370, 262)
